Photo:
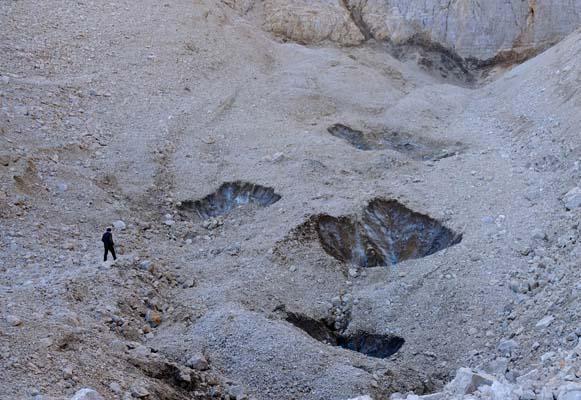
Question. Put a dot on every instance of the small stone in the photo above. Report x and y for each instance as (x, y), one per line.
(571, 337)
(139, 391)
(547, 356)
(5, 160)
(87, 394)
(185, 375)
(153, 317)
(13, 320)
(233, 250)
(62, 187)
(189, 283)
(119, 225)
(146, 265)
(115, 387)
(545, 322)
(539, 234)
(169, 222)
(67, 372)
(236, 392)
(293, 268)
(197, 362)
(572, 199)
(528, 395)
(507, 347)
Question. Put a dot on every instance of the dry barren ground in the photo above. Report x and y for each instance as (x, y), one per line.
(134, 112)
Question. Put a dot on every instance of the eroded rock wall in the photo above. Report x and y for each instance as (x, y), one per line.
(473, 29)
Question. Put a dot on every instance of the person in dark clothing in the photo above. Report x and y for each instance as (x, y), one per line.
(109, 245)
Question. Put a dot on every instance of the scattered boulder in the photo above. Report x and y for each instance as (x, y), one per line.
(197, 362)
(87, 394)
(571, 391)
(119, 225)
(467, 381)
(139, 391)
(539, 234)
(507, 347)
(236, 392)
(572, 198)
(13, 320)
(146, 265)
(496, 367)
(545, 322)
(153, 318)
(67, 372)
(115, 387)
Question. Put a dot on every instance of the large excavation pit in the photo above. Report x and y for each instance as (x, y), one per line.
(229, 196)
(386, 234)
(416, 147)
(372, 345)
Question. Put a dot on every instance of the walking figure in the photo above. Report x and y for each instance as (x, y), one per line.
(109, 245)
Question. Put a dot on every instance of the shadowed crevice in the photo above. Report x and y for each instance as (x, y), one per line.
(372, 345)
(387, 233)
(415, 147)
(229, 196)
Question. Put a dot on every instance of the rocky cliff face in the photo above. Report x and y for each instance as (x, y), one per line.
(473, 29)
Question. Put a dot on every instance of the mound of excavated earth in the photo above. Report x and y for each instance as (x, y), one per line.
(323, 200)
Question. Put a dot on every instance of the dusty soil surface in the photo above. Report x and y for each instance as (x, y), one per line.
(125, 112)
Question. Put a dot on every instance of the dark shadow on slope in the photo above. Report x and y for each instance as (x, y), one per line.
(387, 233)
(372, 345)
(415, 147)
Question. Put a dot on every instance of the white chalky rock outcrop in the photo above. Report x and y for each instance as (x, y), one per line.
(473, 29)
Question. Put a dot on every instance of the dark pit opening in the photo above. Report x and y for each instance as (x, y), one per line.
(372, 345)
(229, 196)
(387, 233)
(415, 147)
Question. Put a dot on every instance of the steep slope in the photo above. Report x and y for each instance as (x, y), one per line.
(129, 111)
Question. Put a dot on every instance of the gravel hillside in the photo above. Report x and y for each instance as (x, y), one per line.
(326, 219)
